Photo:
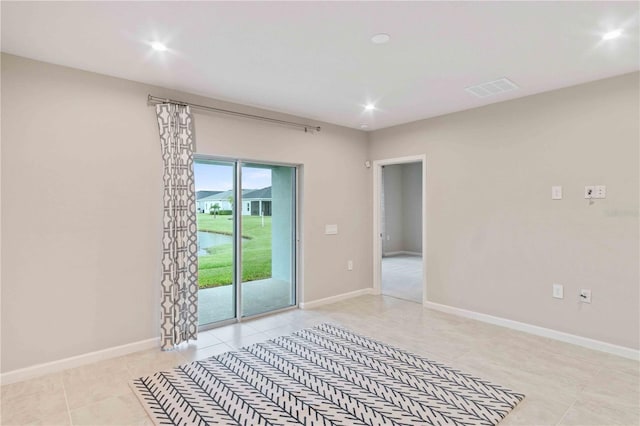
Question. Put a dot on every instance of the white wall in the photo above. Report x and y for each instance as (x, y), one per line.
(392, 236)
(496, 240)
(402, 208)
(412, 211)
(246, 208)
(81, 271)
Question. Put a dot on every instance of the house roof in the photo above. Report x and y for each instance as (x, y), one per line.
(263, 193)
(203, 194)
(224, 195)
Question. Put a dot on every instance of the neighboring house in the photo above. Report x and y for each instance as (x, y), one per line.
(200, 197)
(221, 198)
(255, 202)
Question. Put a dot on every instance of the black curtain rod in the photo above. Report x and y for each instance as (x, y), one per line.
(156, 100)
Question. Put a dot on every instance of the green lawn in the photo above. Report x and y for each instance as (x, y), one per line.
(216, 268)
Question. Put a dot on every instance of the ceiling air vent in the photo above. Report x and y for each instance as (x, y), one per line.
(492, 88)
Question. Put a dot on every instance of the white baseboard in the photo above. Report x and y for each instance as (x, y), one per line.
(337, 298)
(76, 361)
(597, 345)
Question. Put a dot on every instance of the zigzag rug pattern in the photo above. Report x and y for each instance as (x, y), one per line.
(326, 375)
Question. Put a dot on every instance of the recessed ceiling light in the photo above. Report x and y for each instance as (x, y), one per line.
(612, 34)
(364, 126)
(380, 38)
(156, 45)
(369, 107)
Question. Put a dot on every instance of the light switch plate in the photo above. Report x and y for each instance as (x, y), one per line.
(558, 291)
(556, 193)
(330, 229)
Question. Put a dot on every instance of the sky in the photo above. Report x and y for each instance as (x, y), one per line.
(213, 177)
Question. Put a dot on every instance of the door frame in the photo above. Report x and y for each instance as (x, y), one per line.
(377, 215)
(237, 227)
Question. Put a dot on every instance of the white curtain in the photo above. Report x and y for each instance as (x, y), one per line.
(179, 301)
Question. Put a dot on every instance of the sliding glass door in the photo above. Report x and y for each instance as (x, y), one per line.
(246, 235)
(215, 195)
(268, 224)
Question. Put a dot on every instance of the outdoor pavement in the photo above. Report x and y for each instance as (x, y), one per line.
(217, 304)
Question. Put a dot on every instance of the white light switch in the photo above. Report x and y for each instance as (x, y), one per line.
(556, 193)
(330, 229)
(558, 291)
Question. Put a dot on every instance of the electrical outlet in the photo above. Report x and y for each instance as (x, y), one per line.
(350, 265)
(595, 192)
(558, 291)
(585, 295)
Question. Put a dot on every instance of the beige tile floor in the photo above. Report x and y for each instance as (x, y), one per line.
(402, 277)
(564, 384)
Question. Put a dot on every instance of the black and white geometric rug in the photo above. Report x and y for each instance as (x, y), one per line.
(326, 375)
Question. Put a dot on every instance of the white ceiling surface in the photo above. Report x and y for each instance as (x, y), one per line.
(316, 59)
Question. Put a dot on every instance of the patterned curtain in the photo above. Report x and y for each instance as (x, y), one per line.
(179, 304)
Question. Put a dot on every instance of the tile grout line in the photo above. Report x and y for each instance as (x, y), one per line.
(566, 411)
(580, 392)
(66, 400)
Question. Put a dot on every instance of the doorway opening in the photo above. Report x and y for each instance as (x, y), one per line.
(399, 228)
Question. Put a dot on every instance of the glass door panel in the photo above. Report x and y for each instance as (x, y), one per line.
(215, 182)
(268, 238)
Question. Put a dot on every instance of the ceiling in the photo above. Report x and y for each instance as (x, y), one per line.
(316, 59)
